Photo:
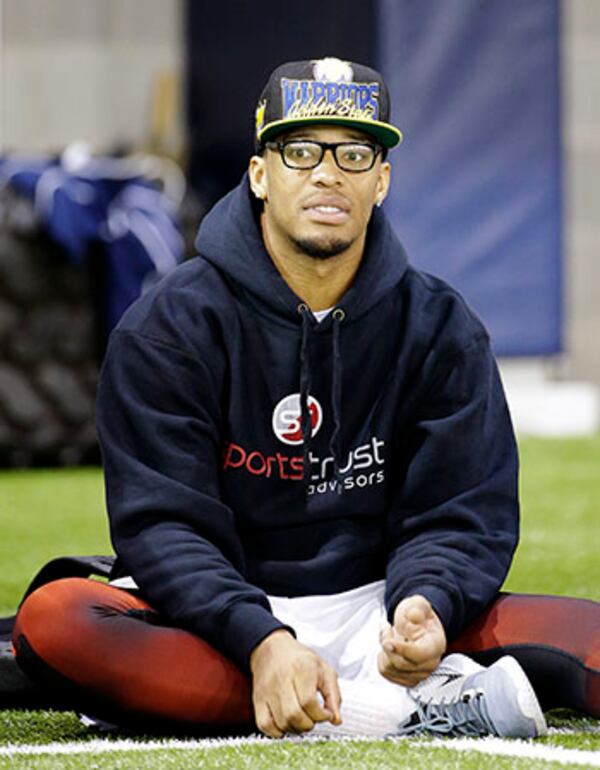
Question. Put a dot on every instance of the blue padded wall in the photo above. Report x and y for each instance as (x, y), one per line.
(476, 192)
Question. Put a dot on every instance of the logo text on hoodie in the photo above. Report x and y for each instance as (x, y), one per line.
(363, 467)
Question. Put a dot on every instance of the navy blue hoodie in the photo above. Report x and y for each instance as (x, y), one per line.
(222, 489)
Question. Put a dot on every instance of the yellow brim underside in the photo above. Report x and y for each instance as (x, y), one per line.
(386, 134)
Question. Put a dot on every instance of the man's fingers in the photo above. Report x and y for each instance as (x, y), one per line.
(406, 665)
(409, 630)
(316, 710)
(291, 716)
(407, 675)
(327, 707)
(330, 690)
(393, 644)
(412, 614)
(385, 633)
(423, 649)
(287, 681)
(392, 641)
(306, 694)
(413, 654)
(411, 624)
(265, 722)
(413, 646)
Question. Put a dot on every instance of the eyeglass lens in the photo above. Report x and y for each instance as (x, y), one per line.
(350, 156)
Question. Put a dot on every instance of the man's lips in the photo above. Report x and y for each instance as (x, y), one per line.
(328, 209)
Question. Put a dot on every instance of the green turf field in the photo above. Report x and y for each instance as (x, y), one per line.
(47, 513)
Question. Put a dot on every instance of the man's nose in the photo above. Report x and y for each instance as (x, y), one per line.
(328, 171)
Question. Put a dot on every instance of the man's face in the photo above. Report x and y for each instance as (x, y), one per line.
(319, 212)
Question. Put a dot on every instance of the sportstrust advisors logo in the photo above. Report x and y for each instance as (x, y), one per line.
(358, 467)
(287, 418)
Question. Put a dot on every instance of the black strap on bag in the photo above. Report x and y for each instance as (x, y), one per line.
(56, 569)
(16, 688)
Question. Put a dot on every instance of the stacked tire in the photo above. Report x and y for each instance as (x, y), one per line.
(48, 347)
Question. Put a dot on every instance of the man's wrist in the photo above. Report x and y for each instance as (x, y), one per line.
(266, 644)
(412, 596)
(440, 600)
(242, 628)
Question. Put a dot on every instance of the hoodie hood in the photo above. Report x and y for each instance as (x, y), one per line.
(230, 239)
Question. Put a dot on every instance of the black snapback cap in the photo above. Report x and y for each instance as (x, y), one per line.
(329, 91)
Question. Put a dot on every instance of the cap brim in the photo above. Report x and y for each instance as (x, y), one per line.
(385, 134)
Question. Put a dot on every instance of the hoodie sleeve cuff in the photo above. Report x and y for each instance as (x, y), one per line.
(243, 628)
(440, 601)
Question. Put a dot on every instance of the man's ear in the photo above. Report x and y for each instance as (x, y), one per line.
(383, 183)
(257, 173)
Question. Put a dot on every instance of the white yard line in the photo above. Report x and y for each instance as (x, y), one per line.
(522, 750)
(104, 745)
(493, 746)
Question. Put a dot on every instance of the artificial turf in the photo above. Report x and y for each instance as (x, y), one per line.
(45, 513)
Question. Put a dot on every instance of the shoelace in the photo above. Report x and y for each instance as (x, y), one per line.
(466, 716)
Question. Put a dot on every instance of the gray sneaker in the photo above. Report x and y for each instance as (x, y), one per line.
(498, 700)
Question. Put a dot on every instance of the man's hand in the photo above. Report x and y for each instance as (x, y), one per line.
(413, 647)
(287, 678)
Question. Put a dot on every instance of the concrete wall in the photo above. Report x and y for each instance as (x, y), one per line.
(581, 132)
(84, 70)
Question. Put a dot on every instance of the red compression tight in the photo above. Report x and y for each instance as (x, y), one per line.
(108, 653)
(555, 638)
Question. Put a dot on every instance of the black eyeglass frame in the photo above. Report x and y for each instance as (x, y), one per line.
(324, 146)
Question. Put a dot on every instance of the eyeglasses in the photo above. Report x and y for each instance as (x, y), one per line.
(304, 154)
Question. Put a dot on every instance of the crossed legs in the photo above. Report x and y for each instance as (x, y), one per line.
(106, 652)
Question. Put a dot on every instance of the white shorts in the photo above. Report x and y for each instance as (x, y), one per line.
(342, 628)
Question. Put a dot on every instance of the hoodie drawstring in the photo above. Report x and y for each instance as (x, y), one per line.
(338, 316)
(336, 389)
(305, 420)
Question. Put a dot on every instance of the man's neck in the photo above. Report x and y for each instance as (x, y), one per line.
(321, 283)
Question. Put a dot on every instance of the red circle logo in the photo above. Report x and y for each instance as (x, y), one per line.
(287, 418)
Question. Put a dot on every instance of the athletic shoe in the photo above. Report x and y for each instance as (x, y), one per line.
(498, 700)
(447, 681)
